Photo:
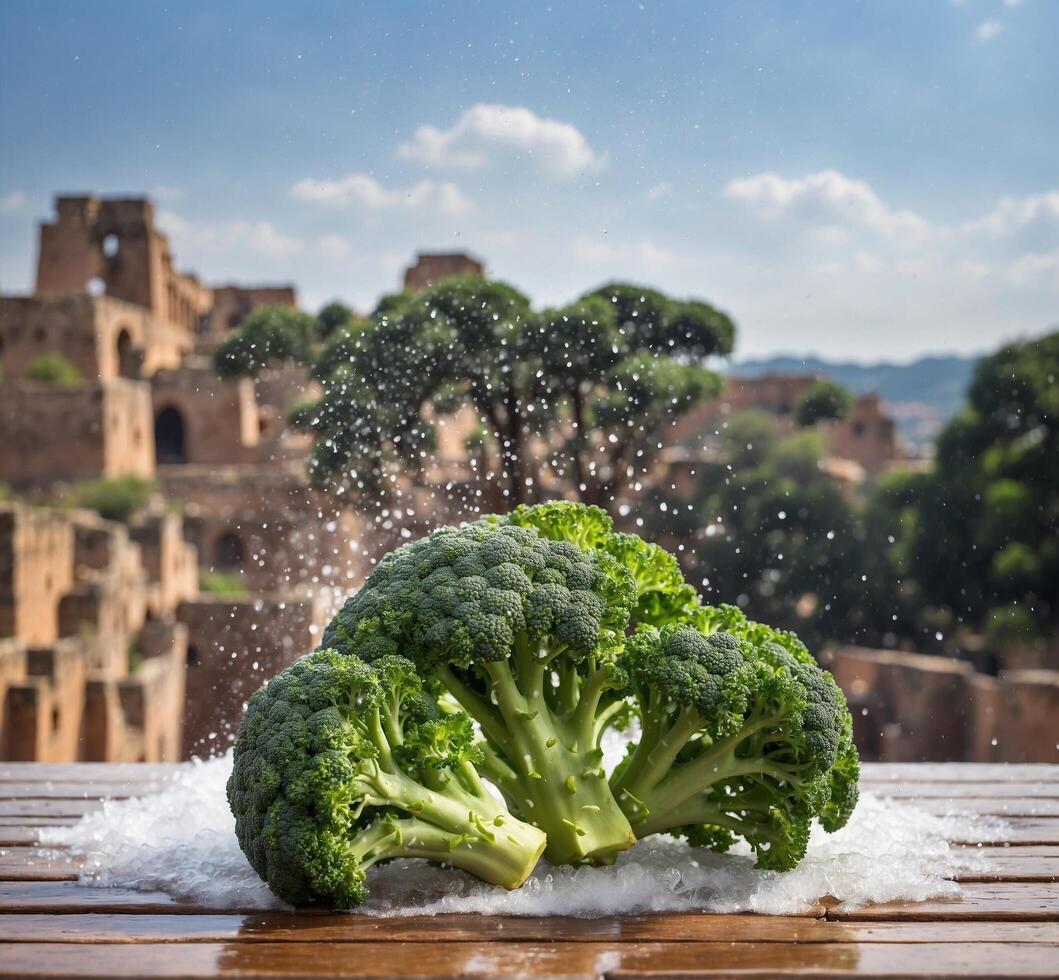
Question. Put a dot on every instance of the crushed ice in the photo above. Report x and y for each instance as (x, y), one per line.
(181, 841)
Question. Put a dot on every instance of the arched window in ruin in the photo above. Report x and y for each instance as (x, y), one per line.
(127, 367)
(169, 436)
(228, 551)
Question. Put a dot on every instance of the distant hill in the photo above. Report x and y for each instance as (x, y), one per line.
(921, 395)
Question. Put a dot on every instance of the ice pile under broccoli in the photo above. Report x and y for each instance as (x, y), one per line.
(546, 627)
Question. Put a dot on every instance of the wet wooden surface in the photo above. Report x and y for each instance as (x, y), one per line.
(1004, 923)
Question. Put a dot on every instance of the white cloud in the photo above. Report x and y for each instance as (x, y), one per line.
(1012, 3)
(1036, 268)
(485, 131)
(335, 247)
(988, 30)
(627, 255)
(1037, 213)
(12, 202)
(663, 189)
(199, 238)
(425, 196)
(827, 199)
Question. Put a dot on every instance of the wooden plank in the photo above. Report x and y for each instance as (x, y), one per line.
(945, 791)
(991, 807)
(108, 789)
(960, 772)
(68, 896)
(1026, 901)
(284, 927)
(1034, 864)
(1020, 831)
(84, 772)
(531, 959)
(35, 864)
(48, 808)
(17, 836)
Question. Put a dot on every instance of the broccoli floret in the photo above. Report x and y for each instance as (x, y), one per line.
(340, 764)
(662, 595)
(741, 735)
(523, 632)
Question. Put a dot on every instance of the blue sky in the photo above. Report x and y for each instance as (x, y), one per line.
(851, 179)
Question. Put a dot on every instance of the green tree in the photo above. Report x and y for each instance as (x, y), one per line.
(987, 534)
(825, 401)
(52, 368)
(767, 528)
(331, 317)
(270, 335)
(572, 398)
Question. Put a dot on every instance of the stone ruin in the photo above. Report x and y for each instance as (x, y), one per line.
(109, 650)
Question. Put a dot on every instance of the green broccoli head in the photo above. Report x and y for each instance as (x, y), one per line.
(463, 595)
(339, 764)
(680, 668)
(739, 736)
(662, 595)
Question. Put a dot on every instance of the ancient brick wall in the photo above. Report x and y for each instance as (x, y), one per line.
(113, 242)
(84, 672)
(102, 337)
(12, 671)
(1016, 716)
(234, 646)
(36, 571)
(139, 717)
(867, 436)
(429, 267)
(912, 708)
(199, 418)
(170, 562)
(55, 432)
(45, 709)
(265, 524)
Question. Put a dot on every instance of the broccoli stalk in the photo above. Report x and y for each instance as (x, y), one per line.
(547, 718)
(339, 765)
(737, 738)
(522, 631)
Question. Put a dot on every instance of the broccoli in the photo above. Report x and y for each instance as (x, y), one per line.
(741, 734)
(546, 626)
(340, 764)
(662, 595)
(523, 631)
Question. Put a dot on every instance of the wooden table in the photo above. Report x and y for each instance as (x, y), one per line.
(1005, 924)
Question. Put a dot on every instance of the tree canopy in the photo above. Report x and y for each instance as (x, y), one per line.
(825, 401)
(987, 530)
(569, 398)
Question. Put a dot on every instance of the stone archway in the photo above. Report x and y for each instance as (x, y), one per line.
(228, 552)
(169, 436)
(127, 366)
